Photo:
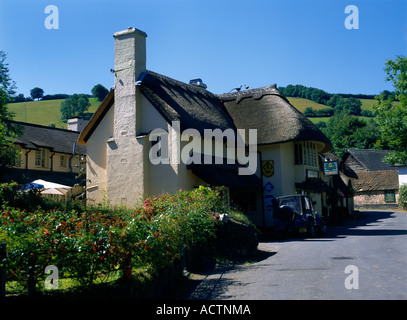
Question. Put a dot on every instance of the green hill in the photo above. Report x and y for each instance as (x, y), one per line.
(301, 104)
(48, 111)
(45, 112)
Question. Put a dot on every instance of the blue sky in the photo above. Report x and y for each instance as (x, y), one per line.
(227, 43)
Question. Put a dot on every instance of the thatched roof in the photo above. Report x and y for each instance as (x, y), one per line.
(275, 119)
(190, 104)
(264, 109)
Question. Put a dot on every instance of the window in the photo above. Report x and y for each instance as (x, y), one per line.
(389, 196)
(305, 153)
(41, 158)
(62, 161)
(298, 153)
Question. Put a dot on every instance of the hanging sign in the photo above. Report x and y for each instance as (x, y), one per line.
(330, 168)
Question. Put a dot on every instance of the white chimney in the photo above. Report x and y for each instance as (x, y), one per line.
(76, 124)
(126, 173)
(130, 62)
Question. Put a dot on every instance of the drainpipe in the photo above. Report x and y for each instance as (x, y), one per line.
(72, 156)
(26, 158)
(262, 190)
(70, 163)
(52, 161)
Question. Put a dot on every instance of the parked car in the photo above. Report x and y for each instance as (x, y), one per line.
(296, 214)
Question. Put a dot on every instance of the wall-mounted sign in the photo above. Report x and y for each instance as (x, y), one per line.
(312, 173)
(330, 168)
(268, 187)
(267, 168)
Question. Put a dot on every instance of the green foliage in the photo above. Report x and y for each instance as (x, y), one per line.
(326, 112)
(99, 92)
(93, 244)
(350, 105)
(36, 93)
(75, 105)
(346, 131)
(8, 152)
(391, 116)
(11, 194)
(403, 196)
(314, 94)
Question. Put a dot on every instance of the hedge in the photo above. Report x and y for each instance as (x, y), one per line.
(93, 244)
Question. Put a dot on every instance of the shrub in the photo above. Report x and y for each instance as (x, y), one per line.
(403, 196)
(86, 245)
(13, 195)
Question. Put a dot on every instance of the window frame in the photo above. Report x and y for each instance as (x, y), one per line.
(305, 153)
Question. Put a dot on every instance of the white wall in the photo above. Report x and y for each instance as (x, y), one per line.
(96, 160)
(402, 175)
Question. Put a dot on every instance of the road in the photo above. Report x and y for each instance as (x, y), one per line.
(374, 244)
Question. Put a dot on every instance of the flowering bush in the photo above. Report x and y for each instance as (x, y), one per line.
(88, 245)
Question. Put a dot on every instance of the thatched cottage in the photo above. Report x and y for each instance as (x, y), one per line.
(150, 136)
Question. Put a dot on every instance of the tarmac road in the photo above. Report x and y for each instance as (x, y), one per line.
(374, 245)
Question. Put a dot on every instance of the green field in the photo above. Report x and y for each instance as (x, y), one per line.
(367, 104)
(301, 104)
(45, 112)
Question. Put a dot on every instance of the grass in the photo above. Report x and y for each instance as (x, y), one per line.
(45, 112)
(300, 104)
(104, 287)
(367, 104)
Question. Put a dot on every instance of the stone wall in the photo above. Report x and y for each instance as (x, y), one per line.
(372, 198)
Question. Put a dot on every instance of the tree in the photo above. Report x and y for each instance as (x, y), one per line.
(309, 112)
(346, 131)
(392, 116)
(351, 105)
(386, 94)
(8, 132)
(99, 92)
(73, 106)
(334, 100)
(36, 93)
